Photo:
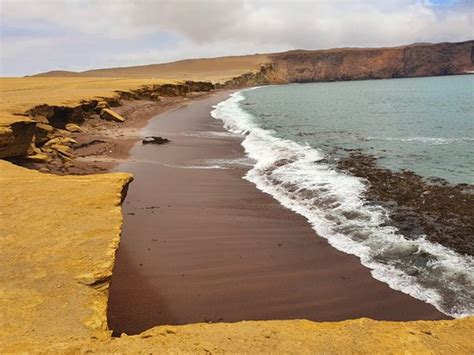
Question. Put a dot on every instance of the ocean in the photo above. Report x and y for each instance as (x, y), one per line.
(295, 134)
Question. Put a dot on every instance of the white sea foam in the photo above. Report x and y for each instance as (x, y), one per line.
(333, 204)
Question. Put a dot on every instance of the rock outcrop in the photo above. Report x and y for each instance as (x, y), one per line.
(384, 63)
(26, 136)
(108, 114)
(16, 138)
(417, 60)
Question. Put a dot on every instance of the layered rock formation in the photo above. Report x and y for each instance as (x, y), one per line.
(384, 63)
(361, 63)
(29, 135)
(16, 137)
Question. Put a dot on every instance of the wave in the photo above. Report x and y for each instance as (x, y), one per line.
(333, 203)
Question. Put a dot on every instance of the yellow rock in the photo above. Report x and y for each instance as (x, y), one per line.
(45, 127)
(42, 133)
(16, 137)
(110, 115)
(71, 127)
(63, 141)
(60, 147)
(102, 104)
(39, 158)
(53, 230)
(41, 119)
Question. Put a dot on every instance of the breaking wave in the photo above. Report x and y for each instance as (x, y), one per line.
(333, 203)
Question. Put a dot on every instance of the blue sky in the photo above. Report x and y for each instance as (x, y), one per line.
(37, 36)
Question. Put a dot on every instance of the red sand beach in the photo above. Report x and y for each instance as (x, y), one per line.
(204, 245)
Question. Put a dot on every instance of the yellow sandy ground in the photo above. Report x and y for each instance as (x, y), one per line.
(58, 236)
(21, 94)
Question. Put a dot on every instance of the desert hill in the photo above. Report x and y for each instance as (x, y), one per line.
(213, 69)
(421, 59)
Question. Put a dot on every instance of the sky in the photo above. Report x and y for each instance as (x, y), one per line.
(42, 35)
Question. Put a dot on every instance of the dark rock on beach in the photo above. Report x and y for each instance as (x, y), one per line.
(155, 140)
(443, 212)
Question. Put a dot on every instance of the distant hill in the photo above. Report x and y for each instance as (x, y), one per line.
(214, 69)
(420, 59)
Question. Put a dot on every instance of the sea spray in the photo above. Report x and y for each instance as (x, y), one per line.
(299, 178)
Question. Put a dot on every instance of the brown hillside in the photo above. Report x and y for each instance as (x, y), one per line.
(213, 69)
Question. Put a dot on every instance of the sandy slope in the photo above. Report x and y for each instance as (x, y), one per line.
(213, 69)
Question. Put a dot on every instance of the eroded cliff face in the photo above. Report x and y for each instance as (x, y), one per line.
(16, 138)
(359, 64)
(42, 133)
(58, 237)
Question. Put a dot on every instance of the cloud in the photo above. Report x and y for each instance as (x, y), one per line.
(138, 32)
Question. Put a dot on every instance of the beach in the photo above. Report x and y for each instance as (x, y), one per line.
(201, 244)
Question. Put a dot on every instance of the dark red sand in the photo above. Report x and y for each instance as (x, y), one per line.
(201, 245)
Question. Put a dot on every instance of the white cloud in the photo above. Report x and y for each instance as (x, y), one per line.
(217, 27)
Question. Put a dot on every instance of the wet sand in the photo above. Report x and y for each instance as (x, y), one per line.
(204, 245)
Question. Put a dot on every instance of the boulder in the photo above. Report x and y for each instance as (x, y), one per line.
(16, 138)
(42, 133)
(108, 114)
(155, 140)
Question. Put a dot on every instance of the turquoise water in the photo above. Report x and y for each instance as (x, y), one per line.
(425, 125)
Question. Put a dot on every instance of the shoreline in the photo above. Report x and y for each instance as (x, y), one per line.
(205, 245)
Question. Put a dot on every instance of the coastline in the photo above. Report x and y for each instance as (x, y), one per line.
(204, 245)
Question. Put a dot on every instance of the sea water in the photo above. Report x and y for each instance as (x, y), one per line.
(424, 125)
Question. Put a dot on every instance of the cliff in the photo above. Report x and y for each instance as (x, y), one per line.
(36, 110)
(301, 66)
(58, 237)
(384, 63)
